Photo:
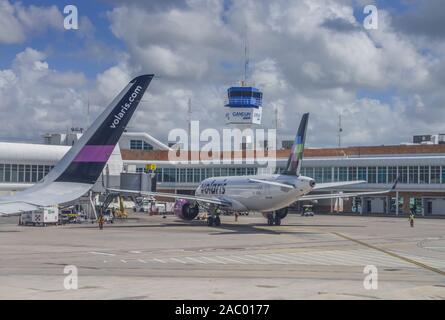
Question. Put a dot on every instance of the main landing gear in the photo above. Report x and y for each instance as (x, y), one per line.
(273, 219)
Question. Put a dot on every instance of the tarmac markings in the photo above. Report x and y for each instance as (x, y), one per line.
(353, 257)
(196, 260)
(102, 253)
(360, 257)
(309, 258)
(159, 260)
(214, 260)
(178, 260)
(392, 254)
(233, 260)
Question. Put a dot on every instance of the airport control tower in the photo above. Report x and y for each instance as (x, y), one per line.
(244, 103)
(244, 106)
(244, 111)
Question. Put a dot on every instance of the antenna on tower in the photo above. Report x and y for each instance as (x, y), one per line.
(246, 57)
(340, 130)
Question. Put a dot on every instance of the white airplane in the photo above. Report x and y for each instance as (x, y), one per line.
(77, 172)
(269, 194)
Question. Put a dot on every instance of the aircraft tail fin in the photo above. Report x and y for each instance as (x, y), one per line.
(296, 154)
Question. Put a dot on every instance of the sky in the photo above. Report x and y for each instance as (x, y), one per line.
(306, 56)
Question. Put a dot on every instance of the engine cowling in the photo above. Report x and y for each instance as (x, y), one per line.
(282, 213)
(185, 209)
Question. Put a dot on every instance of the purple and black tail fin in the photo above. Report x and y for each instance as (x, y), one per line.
(87, 158)
(296, 154)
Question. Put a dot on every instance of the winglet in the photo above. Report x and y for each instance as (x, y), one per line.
(84, 162)
(296, 154)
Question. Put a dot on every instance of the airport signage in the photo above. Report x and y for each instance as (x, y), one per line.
(243, 115)
(150, 167)
(124, 108)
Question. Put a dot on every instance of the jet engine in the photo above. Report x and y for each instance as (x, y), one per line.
(185, 209)
(282, 213)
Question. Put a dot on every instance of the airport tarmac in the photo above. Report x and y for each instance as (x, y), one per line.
(147, 257)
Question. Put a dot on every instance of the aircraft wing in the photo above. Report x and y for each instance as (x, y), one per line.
(317, 186)
(42, 195)
(345, 195)
(15, 208)
(78, 170)
(217, 201)
(336, 184)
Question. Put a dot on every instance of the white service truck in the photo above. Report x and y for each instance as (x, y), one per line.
(40, 217)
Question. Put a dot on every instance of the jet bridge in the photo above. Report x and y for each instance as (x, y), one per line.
(133, 181)
(140, 181)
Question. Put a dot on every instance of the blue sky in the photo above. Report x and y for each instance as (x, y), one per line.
(65, 48)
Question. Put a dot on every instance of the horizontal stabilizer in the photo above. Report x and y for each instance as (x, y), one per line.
(347, 194)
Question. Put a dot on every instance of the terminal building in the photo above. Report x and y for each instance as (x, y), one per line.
(420, 168)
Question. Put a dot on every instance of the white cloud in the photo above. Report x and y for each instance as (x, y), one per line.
(310, 55)
(11, 30)
(113, 79)
(36, 99)
(300, 62)
(39, 18)
(17, 21)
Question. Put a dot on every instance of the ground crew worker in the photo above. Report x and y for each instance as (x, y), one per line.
(411, 220)
(236, 216)
(101, 221)
(411, 217)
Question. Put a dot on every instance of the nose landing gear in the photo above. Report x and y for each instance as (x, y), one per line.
(277, 220)
(275, 217)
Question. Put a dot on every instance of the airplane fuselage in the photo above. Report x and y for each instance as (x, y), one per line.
(247, 195)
